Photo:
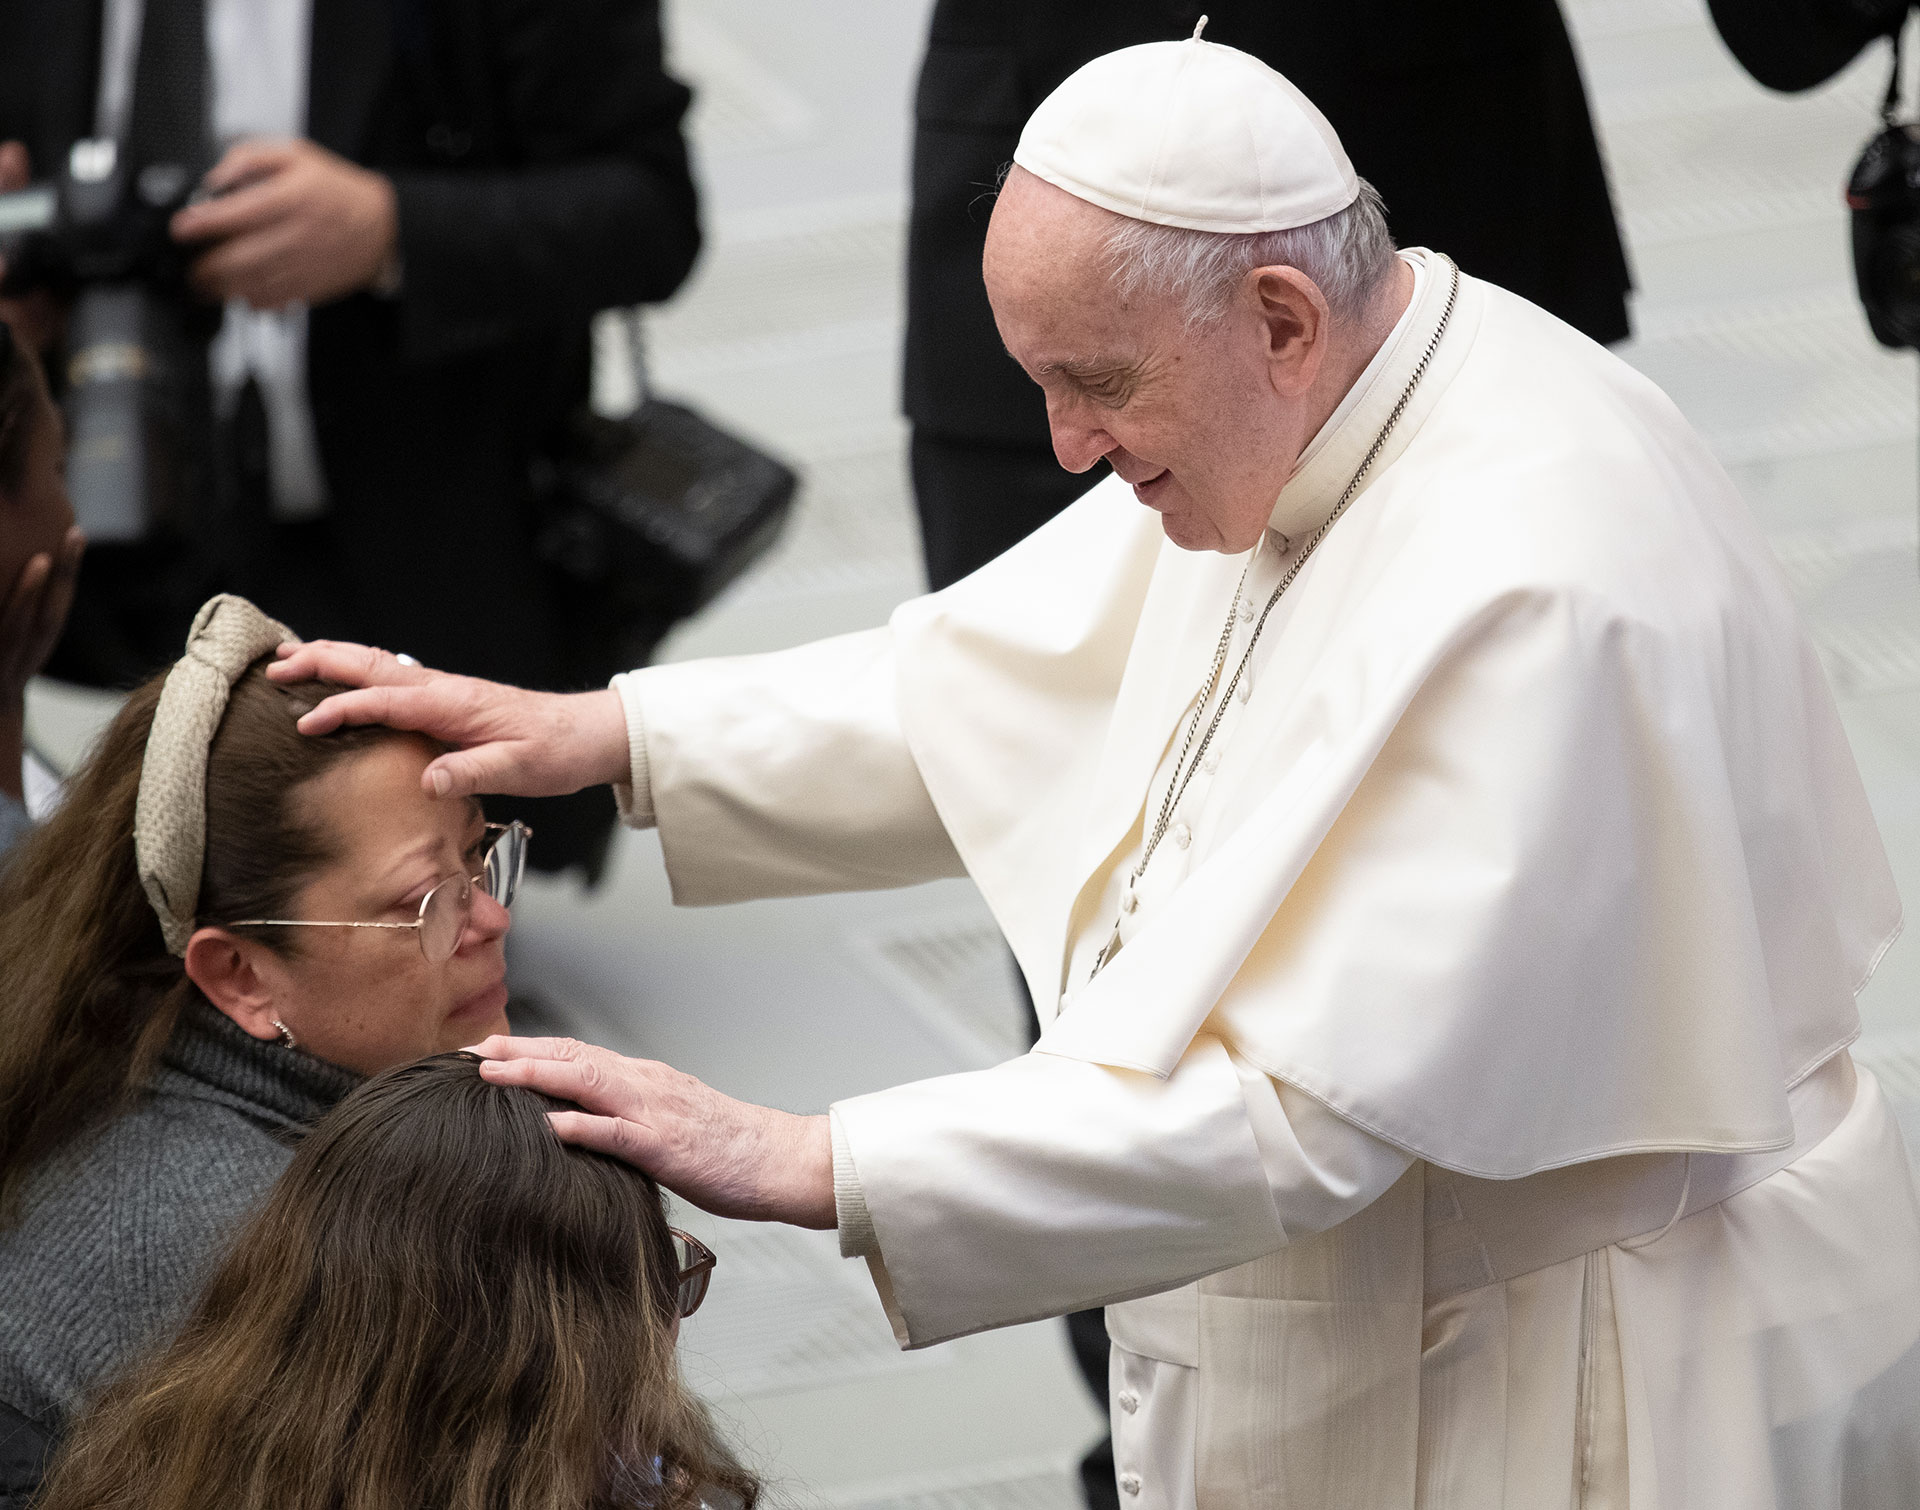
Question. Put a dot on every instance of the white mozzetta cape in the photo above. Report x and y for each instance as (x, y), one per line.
(1541, 840)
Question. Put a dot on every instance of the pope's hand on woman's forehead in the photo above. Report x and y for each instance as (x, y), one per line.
(386, 687)
(349, 664)
(506, 740)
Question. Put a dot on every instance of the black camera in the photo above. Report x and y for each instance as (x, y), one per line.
(133, 381)
(1884, 197)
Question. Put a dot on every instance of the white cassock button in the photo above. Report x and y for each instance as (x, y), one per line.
(1181, 835)
(1130, 1483)
(1211, 763)
(1129, 901)
(1244, 691)
(1066, 1000)
(1246, 613)
(1129, 1401)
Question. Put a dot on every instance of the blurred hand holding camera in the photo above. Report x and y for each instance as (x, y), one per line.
(289, 222)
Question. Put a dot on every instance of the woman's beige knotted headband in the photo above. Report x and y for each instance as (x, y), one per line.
(170, 820)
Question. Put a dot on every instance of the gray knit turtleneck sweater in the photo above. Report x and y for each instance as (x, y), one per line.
(117, 1233)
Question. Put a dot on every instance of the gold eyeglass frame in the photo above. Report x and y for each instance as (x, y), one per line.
(499, 832)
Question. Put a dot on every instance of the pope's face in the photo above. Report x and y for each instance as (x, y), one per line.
(1196, 419)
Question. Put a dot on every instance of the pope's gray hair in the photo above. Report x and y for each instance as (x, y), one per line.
(1347, 255)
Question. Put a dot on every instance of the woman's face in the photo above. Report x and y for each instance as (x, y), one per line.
(366, 998)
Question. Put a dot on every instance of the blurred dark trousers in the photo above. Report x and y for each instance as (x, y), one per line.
(979, 498)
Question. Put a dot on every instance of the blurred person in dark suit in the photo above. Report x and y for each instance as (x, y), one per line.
(418, 206)
(1471, 120)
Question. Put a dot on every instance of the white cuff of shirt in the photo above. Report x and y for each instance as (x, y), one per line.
(635, 794)
(857, 1238)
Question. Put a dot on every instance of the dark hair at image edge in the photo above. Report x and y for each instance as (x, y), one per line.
(439, 1307)
(92, 993)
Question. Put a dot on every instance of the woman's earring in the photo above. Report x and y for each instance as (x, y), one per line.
(286, 1034)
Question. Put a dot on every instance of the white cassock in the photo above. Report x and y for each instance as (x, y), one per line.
(1465, 1119)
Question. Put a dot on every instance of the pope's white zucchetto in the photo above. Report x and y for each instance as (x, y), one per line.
(170, 819)
(1189, 134)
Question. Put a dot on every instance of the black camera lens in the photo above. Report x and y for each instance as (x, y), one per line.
(1884, 196)
(1893, 282)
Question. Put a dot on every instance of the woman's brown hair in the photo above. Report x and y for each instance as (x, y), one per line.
(440, 1307)
(92, 993)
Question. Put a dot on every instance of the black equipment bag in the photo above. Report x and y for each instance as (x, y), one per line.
(648, 519)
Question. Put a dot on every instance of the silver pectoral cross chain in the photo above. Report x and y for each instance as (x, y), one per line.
(1190, 754)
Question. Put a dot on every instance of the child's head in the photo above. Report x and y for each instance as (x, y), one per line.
(440, 1305)
(35, 513)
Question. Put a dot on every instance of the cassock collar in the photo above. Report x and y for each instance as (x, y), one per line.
(1335, 453)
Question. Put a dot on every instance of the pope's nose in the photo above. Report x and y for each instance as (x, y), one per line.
(1076, 444)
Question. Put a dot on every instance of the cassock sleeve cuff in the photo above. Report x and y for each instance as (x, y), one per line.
(857, 1237)
(635, 794)
(883, 1287)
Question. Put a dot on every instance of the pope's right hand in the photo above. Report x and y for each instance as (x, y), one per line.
(506, 740)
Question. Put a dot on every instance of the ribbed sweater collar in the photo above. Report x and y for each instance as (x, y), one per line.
(209, 1058)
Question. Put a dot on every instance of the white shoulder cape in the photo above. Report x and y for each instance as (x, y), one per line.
(1548, 843)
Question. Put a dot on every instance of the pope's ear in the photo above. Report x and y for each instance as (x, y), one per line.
(1297, 324)
(237, 975)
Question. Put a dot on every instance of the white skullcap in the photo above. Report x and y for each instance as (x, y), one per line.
(170, 818)
(1189, 134)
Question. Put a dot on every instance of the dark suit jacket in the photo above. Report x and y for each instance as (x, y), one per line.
(1470, 119)
(536, 153)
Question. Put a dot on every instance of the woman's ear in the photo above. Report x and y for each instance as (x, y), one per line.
(238, 976)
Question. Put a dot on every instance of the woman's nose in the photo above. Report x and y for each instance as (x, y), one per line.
(487, 920)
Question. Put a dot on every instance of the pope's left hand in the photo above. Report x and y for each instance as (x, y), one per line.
(728, 1157)
(290, 222)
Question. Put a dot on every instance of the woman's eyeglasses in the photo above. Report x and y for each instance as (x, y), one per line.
(446, 911)
(696, 1261)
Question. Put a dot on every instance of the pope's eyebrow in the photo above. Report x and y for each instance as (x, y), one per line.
(1086, 367)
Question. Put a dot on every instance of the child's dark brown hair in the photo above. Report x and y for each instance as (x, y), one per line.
(439, 1307)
